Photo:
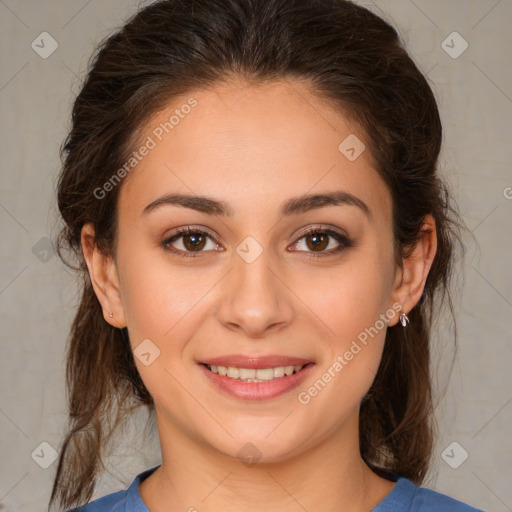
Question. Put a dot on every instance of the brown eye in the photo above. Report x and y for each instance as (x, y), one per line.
(318, 240)
(192, 242)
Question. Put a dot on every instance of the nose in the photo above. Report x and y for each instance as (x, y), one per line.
(256, 299)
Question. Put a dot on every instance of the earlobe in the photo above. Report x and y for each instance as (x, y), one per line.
(104, 278)
(410, 280)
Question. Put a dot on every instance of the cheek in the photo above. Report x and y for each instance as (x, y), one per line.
(156, 295)
(349, 297)
(161, 318)
(165, 304)
(351, 350)
(352, 304)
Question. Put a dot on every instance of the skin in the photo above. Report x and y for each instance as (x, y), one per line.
(254, 147)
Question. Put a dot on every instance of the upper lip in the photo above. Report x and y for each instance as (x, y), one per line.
(241, 361)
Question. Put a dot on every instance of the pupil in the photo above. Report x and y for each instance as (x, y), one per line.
(318, 240)
(193, 240)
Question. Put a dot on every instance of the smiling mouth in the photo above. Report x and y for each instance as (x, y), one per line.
(255, 374)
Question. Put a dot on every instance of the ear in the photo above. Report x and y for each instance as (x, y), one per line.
(410, 280)
(104, 278)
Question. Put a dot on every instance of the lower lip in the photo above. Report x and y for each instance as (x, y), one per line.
(258, 390)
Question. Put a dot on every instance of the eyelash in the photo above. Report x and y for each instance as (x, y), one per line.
(342, 239)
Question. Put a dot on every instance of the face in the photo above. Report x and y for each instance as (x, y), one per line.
(272, 275)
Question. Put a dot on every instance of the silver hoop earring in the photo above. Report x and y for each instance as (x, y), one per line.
(404, 319)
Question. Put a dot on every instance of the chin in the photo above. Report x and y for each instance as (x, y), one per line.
(259, 449)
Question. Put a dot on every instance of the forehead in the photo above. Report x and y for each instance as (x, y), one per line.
(252, 145)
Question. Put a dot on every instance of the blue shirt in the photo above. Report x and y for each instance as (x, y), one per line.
(404, 497)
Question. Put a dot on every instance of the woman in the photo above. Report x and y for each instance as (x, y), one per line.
(250, 189)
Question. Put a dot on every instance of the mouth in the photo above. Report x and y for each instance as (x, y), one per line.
(250, 383)
(255, 374)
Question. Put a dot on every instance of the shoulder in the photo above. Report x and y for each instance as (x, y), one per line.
(115, 501)
(427, 499)
(408, 497)
(127, 500)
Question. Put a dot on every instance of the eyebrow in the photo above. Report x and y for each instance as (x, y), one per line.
(292, 206)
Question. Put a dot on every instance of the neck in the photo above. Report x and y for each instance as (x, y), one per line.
(330, 475)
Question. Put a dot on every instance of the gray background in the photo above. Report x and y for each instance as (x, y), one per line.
(38, 295)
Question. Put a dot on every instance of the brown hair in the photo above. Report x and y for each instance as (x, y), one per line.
(350, 57)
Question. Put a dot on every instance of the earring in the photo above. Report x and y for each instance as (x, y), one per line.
(111, 314)
(404, 319)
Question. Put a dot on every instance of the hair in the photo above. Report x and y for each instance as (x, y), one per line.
(348, 56)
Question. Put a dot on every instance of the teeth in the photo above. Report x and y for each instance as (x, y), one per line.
(279, 372)
(253, 374)
(247, 373)
(265, 373)
(233, 372)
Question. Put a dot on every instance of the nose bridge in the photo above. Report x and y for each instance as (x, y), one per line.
(254, 274)
(255, 298)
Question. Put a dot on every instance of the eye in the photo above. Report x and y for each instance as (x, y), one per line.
(317, 240)
(192, 242)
